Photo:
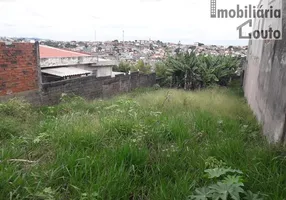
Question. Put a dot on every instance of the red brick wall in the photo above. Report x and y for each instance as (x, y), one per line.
(18, 68)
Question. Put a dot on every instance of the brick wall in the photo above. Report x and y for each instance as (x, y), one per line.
(18, 68)
(20, 77)
(95, 87)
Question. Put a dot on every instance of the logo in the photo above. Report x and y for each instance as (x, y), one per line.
(265, 19)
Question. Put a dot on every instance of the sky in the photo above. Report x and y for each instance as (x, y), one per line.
(187, 21)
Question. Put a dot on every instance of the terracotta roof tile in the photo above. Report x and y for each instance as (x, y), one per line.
(51, 52)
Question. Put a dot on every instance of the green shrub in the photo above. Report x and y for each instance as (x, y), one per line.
(227, 184)
(9, 127)
(191, 71)
(141, 67)
(122, 67)
(15, 108)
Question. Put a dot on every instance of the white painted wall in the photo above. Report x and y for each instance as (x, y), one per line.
(99, 71)
(104, 71)
(102, 67)
(66, 61)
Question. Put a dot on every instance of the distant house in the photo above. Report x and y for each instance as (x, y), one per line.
(59, 64)
(198, 44)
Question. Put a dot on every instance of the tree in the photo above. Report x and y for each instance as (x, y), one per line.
(161, 70)
(178, 50)
(141, 67)
(183, 69)
(123, 67)
(99, 48)
(162, 73)
(189, 71)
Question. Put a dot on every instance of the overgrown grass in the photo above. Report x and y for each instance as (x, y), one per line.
(143, 145)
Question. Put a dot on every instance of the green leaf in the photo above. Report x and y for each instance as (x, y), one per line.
(48, 190)
(217, 172)
(252, 196)
(233, 180)
(222, 191)
(37, 140)
(201, 194)
(95, 194)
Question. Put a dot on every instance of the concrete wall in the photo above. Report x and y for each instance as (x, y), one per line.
(19, 69)
(104, 62)
(81, 60)
(52, 62)
(99, 71)
(104, 71)
(93, 87)
(89, 87)
(265, 79)
(102, 67)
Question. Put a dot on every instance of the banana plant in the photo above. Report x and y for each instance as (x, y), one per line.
(189, 71)
(184, 69)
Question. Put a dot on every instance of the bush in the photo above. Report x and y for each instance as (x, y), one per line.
(16, 108)
(189, 71)
(122, 67)
(9, 127)
(142, 67)
(227, 183)
(15, 118)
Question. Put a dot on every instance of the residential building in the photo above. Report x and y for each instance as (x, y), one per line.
(59, 64)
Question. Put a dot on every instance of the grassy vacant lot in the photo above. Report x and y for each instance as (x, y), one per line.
(144, 145)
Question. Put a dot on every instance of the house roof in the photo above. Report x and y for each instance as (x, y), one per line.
(65, 71)
(51, 52)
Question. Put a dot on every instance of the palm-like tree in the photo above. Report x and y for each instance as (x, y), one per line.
(190, 71)
(183, 69)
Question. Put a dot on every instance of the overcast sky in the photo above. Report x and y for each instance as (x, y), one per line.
(187, 21)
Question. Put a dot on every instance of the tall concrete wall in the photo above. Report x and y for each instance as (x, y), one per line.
(265, 79)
